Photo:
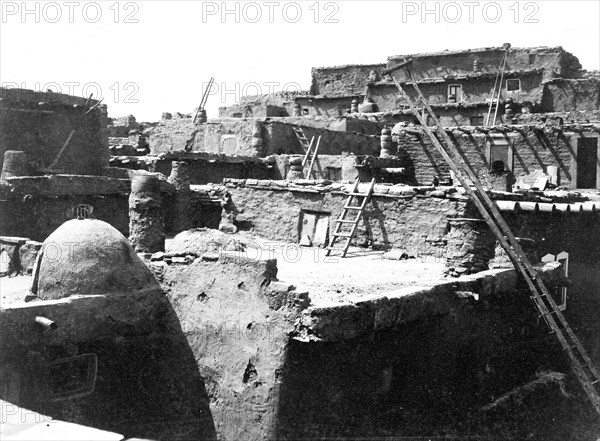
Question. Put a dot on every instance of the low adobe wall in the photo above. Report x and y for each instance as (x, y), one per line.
(413, 219)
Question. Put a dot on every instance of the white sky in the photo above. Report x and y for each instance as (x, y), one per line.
(160, 63)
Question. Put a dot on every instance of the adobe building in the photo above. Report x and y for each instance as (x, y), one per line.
(240, 326)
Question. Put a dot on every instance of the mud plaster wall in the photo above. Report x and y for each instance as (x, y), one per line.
(328, 106)
(204, 171)
(343, 80)
(281, 139)
(569, 95)
(273, 104)
(417, 225)
(555, 61)
(237, 321)
(38, 217)
(137, 340)
(386, 96)
(42, 130)
(430, 378)
(235, 136)
(532, 151)
(577, 234)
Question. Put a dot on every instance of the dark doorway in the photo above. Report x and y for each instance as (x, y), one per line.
(587, 160)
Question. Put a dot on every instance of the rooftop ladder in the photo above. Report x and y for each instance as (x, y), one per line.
(347, 224)
(497, 86)
(310, 152)
(581, 363)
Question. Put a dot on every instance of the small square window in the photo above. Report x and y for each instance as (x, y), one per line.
(499, 156)
(477, 120)
(513, 85)
(454, 93)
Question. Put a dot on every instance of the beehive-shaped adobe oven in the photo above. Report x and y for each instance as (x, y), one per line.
(88, 256)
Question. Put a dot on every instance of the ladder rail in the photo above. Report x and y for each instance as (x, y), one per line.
(348, 236)
(313, 159)
(204, 99)
(496, 100)
(508, 241)
(518, 253)
(307, 151)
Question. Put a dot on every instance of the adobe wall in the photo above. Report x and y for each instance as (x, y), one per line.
(434, 378)
(38, 217)
(555, 61)
(331, 107)
(237, 319)
(532, 151)
(275, 104)
(136, 340)
(410, 219)
(577, 234)
(569, 95)
(276, 136)
(40, 123)
(281, 139)
(349, 80)
(476, 90)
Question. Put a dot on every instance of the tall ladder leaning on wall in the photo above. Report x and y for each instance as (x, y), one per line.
(497, 86)
(580, 361)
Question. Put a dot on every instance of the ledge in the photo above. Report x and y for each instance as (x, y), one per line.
(66, 185)
(361, 315)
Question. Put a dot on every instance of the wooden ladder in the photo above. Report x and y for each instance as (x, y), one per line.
(343, 223)
(204, 98)
(580, 361)
(497, 86)
(310, 153)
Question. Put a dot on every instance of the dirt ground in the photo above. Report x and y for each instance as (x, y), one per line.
(13, 290)
(333, 279)
(328, 280)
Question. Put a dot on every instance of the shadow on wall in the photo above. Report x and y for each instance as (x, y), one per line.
(147, 383)
(436, 377)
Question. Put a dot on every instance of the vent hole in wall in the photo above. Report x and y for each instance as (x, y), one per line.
(250, 373)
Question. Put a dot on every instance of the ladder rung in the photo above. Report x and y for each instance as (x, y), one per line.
(345, 221)
(352, 207)
(358, 194)
(549, 313)
(342, 234)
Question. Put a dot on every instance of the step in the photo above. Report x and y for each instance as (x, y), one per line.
(347, 235)
(345, 221)
(352, 207)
